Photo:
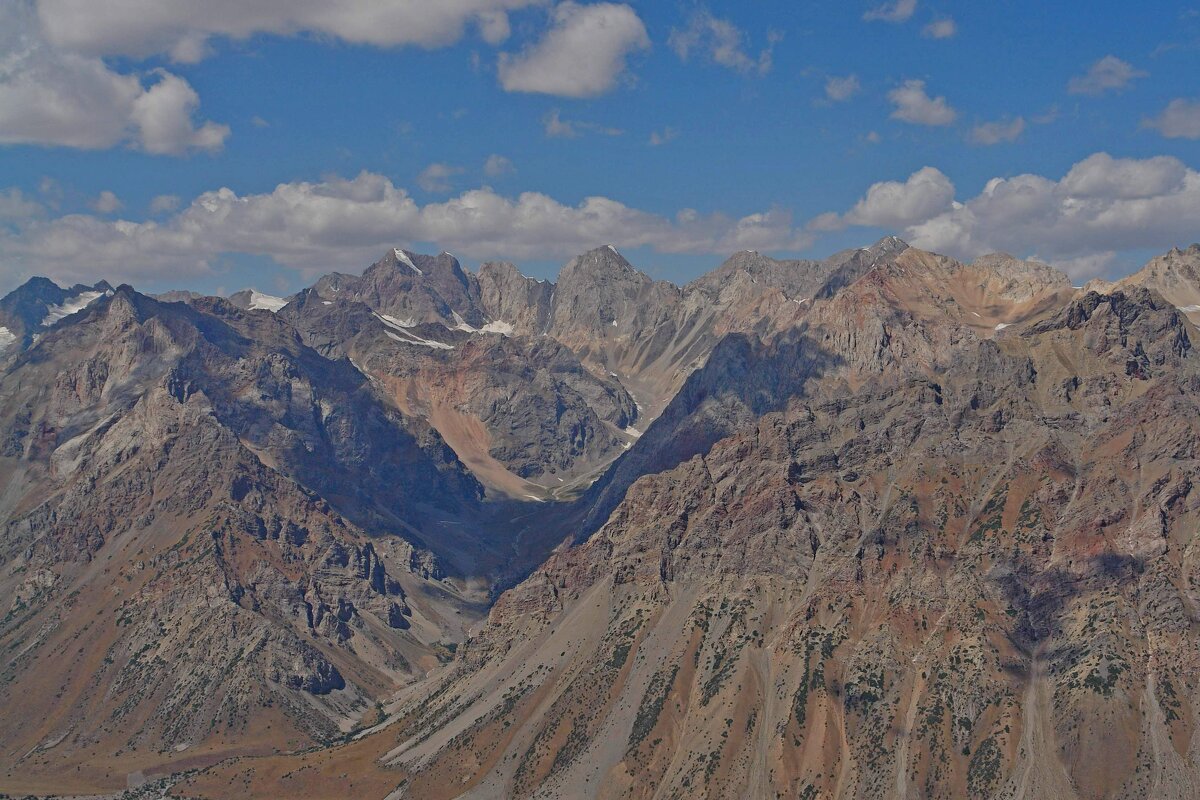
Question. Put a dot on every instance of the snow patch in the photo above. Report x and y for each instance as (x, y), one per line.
(408, 338)
(77, 303)
(1002, 326)
(396, 322)
(632, 431)
(7, 337)
(1189, 309)
(610, 247)
(265, 302)
(326, 302)
(499, 326)
(403, 258)
(461, 324)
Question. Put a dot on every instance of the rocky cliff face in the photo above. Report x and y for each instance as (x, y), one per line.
(517, 303)
(885, 525)
(186, 562)
(1176, 276)
(521, 411)
(974, 587)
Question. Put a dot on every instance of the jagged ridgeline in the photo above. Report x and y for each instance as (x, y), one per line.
(886, 525)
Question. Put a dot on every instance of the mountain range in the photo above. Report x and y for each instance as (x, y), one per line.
(883, 525)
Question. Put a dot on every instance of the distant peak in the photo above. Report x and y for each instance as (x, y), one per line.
(889, 244)
(605, 255)
(402, 257)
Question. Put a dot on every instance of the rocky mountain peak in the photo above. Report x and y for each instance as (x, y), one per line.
(397, 258)
(601, 264)
(888, 245)
(40, 302)
(597, 288)
(1175, 275)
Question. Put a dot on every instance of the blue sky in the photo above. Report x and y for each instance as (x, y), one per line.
(281, 143)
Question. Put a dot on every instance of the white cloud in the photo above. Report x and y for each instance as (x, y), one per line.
(721, 42)
(898, 11)
(436, 178)
(1179, 120)
(558, 128)
(497, 166)
(1102, 176)
(181, 29)
(345, 223)
(582, 55)
(164, 203)
(915, 106)
(989, 133)
(659, 138)
(1084, 267)
(841, 89)
(50, 97)
(15, 206)
(1109, 74)
(107, 203)
(163, 114)
(891, 204)
(944, 28)
(1102, 206)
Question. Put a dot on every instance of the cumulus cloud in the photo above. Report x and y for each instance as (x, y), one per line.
(892, 204)
(582, 55)
(163, 115)
(51, 97)
(1109, 74)
(342, 223)
(436, 178)
(1101, 207)
(898, 11)
(182, 29)
(1179, 120)
(940, 29)
(915, 106)
(107, 203)
(1102, 176)
(989, 133)
(841, 89)
(497, 166)
(721, 42)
